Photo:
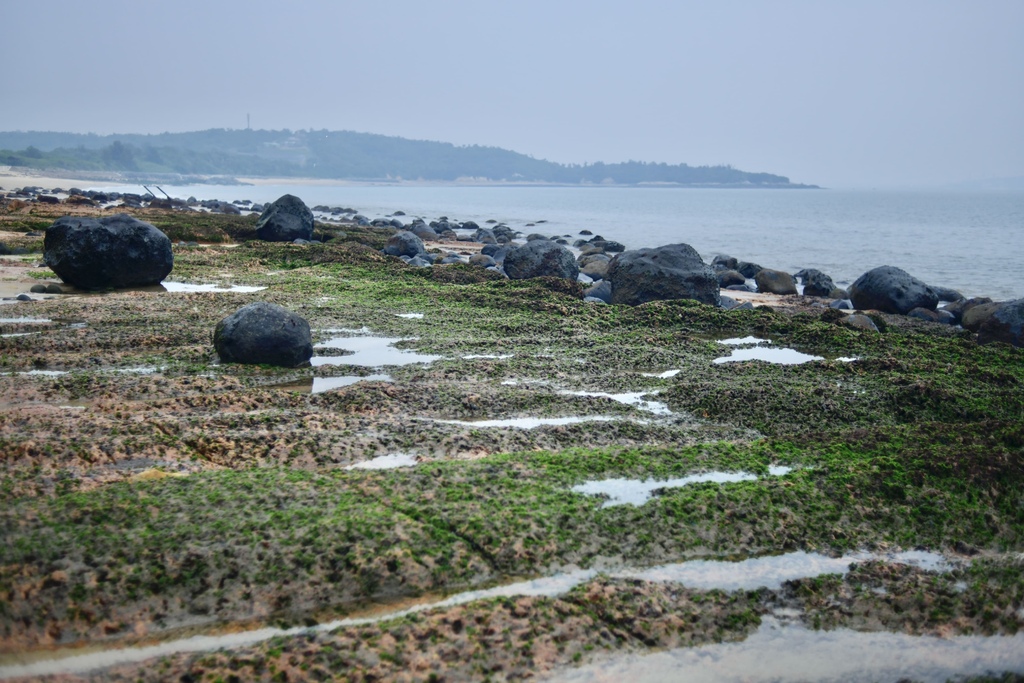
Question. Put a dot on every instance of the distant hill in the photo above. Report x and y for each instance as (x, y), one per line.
(340, 155)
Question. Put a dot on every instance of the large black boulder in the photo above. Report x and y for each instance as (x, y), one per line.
(1005, 325)
(285, 220)
(891, 290)
(675, 271)
(539, 258)
(263, 333)
(113, 251)
(404, 243)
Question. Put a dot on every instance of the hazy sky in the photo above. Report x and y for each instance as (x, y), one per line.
(836, 93)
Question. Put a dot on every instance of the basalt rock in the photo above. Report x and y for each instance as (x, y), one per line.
(775, 282)
(285, 220)
(674, 271)
(113, 251)
(263, 333)
(816, 283)
(1006, 325)
(539, 258)
(891, 290)
(404, 244)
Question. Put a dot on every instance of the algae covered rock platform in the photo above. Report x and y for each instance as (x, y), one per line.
(152, 493)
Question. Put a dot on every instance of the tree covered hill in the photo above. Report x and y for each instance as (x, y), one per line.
(338, 155)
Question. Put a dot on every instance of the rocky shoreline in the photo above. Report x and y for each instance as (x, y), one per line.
(152, 488)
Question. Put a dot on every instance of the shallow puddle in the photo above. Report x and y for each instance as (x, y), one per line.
(791, 652)
(371, 352)
(317, 385)
(528, 422)
(638, 492)
(768, 355)
(635, 399)
(386, 462)
(190, 287)
(702, 574)
(662, 375)
(744, 341)
(24, 320)
(410, 316)
(487, 356)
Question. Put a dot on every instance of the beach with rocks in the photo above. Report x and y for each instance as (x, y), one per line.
(355, 448)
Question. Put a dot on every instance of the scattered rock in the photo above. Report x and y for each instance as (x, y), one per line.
(1006, 324)
(113, 251)
(775, 282)
(600, 290)
(816, 283)
(285, 220)
(674, 271)
(404, 244)
(728, 278)
(891, 290)
(975, 316)
(264, 333)
(539, 258)
(959, 308)
(859, 321)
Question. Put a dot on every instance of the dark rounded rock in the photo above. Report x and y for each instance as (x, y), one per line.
(539, 258)
(48, 199)
(600, 290)
(404, 244)
(482, 260)
(959, 308)
(263, 333)
(976, 316)
(534, 236)
(891, 290)
(674, 271)
(54, 289)
(727, 278)
(23, 297)
(816, 283)
(38, 289)
(596, 268)
(860, 322)
(1006, 325)
(423, 231)
(485, 236)
(285, 220)
(775, 282)
(113, 251)
(586, 232)
(748, 269)
(838, 293)
(723, 262)
(947, 294)
(842, 305)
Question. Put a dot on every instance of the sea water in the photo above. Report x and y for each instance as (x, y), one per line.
(965, 240)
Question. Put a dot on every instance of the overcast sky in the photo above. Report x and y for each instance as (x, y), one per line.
(843, 94)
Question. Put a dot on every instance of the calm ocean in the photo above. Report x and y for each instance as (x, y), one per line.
(970, 241)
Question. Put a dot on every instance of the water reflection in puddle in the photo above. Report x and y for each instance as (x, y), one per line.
(637, 491)
(744, 341)
(190, 287)
(486, 356)
(43, 373)
(528, 422)
(769, 355)
(371, 352)
(385, 462)
(317, 385)
(791, 652)
(706, 574)
(25, 320)
(635, 399)
(662, 375)
(410, 316)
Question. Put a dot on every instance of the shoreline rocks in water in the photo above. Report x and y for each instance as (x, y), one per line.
(114, 251)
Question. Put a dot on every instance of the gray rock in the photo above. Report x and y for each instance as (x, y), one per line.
(596, 269)
(775, 282)
(423, 231)
(285, 220)
(947, 294)
(263, 333)
(113, 251)
(674, 271)
(482, 260)
(38, 289)
(600, 290)
(816, 283)
(860, 322)
(959, 308)
(485, 236)
(728, 278)
(723, 262)
(748, 269)
(594, 300)
(842, 305)
(976, 316)
(420, 262)
(1005, 325)
(540, 258)
(404, 244)
(54, 289)
(891, 290)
